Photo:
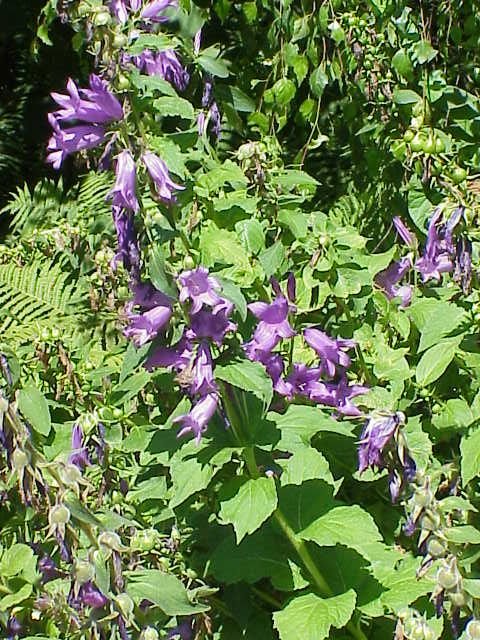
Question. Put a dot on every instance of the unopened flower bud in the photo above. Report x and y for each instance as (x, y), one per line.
(457, 598)
(59, 514)
(102, 18)
(430, 521)
(436, 548)
(149, 633)
(144, 540)
(423, 498)
(125, 604)
(447, 577)
(70, 475)
(110, 540)
(473, 630)
(84, 571)
(20, 459)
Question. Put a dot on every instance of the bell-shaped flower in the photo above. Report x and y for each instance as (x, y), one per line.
(389, 278)
(155, 10)
(143, 327)
(177, 357)
(123, 192)
(90, 596)
(199, 287)
(330, 350)
(439, 249)
(203, 382)
(273, 325)
(301, 381)
(96, 105)
(79, 456)
(196, 421)
(128, 251)
(337, 395)
(63, 142)
(213, 325)
(164, 185)
(404, 232)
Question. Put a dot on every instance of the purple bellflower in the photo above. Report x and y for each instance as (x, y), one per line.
(96, 105)
(63, 142)
(128, 251)
(199, 287)
(463, 264)
(14, 628)
(123, 192)
(439, 248)
(164, 64)
(330, 350)
(177, 357)
(121, 8)
(48, 569)
(404, 232)
(91, 596)
(211, 324)
(196, 421)
(273, 325)
(79, 456)
(389, 278)
(158, 171)
(377, 432)
(145, 326)
(148, 297)
(301, 381)
(154, 11)
(184, 631)
(197, 42)
(202, 380)
(338, 395)
(212, 114)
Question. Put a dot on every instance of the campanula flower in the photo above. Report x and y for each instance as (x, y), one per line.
(158, 171)
(273, 363)
(196, 421)
(273, 325)
(389, 278)
(48, 569)
(330, 350)
(337, 395)
(123, 192)
(377, 432)
(463, 264)
(91, 596)
(301, 381)
(143, 327)
(79, 456)
(404, 232)
(167, 65)
(211, 324)
(14, 628)
(203, 382)
(212, 114)
(154, 11)
(439, 250)
(177, 357)
(128, 251)
(63, 142)
(199, 287)
(184, 631)
(147, 296)
(96, 105)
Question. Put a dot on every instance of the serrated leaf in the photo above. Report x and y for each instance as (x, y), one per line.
(255, 501)
(34, 408)
(305, 464)
(434, 361)
(470, 459)
(168, 106)
(311, 618)
(188, 477)
(164, 590)
(209, 61)
(251, 235)
(249, 376)
(405, 96)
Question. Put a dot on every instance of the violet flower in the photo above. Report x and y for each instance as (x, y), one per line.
(196, 421)
(143, 327)
(330, 350)
(128, 251)
(123, 192)
(48, 569)
(177, 357)
(273, 363)
(389, 278)
(96, 105)
(183, 631)
(212, 115)
(91, 596)
(153, 11)
(158, 171)
(63, 142)
(119, 10)
(404, 232)
(439, 249)
(273, 325)
(203, 382)
(197, 42)
(167, 65)
(338, 395)
(14, 628)
(301, 381)
(148, 297)
(377, 432)
(211, 324)
(79, 456)
(199, 287)
(463, 264)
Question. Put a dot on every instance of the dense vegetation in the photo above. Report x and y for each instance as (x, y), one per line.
(239, 309)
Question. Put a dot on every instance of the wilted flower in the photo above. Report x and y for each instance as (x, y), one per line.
(79, 456)
(273, 325)
(128, 251)
(63, 142)
(196, 421)
(212, 115)
(404, 232)
(158, 171)
(123, 192)
(199, 287)
(389, 278)
(91, 596)
(96, 105)
(330, 350)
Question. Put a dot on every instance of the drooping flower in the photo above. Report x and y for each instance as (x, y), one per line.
(203, 382)
(148, 297)
(123, 192)
(463, 264)
(389, 278)
(158, 171)
(330, 350)
(196, 421)
(63, 142)
(337, 395)
(177, 357)
(48, 568)
(199, 287)
(96, 105)
(167, 65)
(154, 11)
(128, 251)
(211, 324)
(119, 10)
(91, 596)
(273, 363)
(79, 456)
(143, 327)
(184, 631)
(273, 325)
(212, 114)
(404, 232)
(439, 249)
(377, 432)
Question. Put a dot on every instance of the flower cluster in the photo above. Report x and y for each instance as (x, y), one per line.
(93, 108)
(164, 64)
(440, 255)
(383, 445)
(326, 383)
(153, 11)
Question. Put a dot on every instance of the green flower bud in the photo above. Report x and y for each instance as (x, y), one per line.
(3, 405)
(20, 459)
(102, 18)
(59, 514)
(430, 521)
(84, 571)
(144, 540)
(70, 475)
(447, 577)
(473, 630)
(125, 604)
(436, 548)
(149, 633)
(457, 598)
(110, 540)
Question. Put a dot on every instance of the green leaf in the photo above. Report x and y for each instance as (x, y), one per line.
(434, 361)
(424, 52)
(152, 41)
(251, 235)
(255, 501)
(290, 178)
(19, 560)
(209, 61)
(305, 464)
(311, 618)
(318, 82)
(130, 387)
(7, 602)
(405, 96)
(158, 275)
(148, 85)
(273, 260)
(249, 376)
(164, 590)
(169, 106)
(188, 477)
(470, 458)
(465, 534)
(284, 91)
(233, 293)
(402, 64)
(455, 414)
(34, 407)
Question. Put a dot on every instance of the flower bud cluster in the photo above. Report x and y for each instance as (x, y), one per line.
(411, 625)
